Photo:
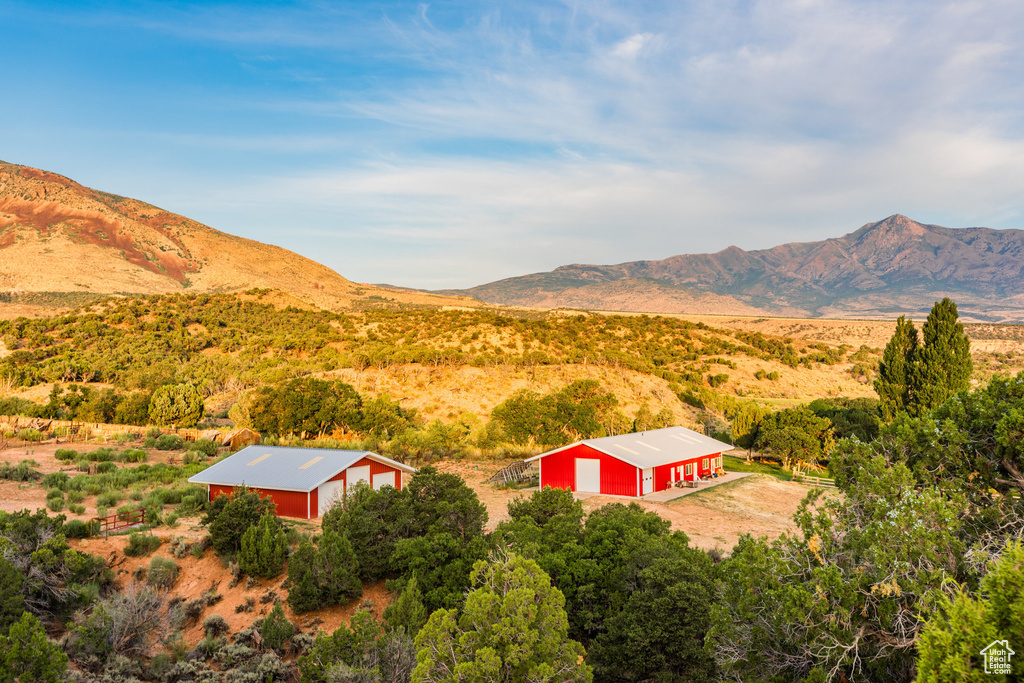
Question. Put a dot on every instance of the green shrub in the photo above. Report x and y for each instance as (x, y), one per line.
(75, 496)
(108, 499)
(57, 480)
(275, 628)
(322, 575)
(191, 457)
(263, 548)
(215, 626)
(718, 380)
(30, 435)
(65, 454)
(76, 528)
(190, 505)
(229, 518)
(153, 515)
(103, 454)
(149, 442)
(169, 442)
(141, 544)
(163, 572)
(76, 509)
(204, 446)
(55, 504)
(171, 520)
(23, 471)
(54, 493)
(132, 455)
(153, 432)
(105, 467)
(136, 494)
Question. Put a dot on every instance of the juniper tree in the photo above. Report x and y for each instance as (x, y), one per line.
(408, 610)
(895, 370)
(943, 365)
(512, 627)
(962, 626)
(26, 654)
(263, 548)
(176, 404)
(324, 575)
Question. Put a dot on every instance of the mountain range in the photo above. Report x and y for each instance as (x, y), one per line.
(883, 269)
(73, 243)
(63, 243)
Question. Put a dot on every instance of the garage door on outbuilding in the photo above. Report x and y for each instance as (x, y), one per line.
(302, 482)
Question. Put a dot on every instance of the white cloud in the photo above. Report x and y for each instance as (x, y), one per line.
(632, 46)
(637, 130)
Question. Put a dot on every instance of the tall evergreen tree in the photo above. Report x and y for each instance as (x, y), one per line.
(264, 548)
(943, 365)
(895, 371)
(512, 627)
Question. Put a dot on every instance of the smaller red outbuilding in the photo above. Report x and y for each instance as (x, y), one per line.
(302, 482)
(632, 464)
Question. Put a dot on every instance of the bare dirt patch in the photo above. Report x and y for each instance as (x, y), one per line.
(199, 576)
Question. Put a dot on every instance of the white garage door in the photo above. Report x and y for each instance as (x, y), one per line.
(383, 479)
(648, 475)
(328, 494)
(357, 474)
(588, 475)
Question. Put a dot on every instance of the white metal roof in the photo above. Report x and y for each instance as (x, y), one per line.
(288, 469)
(654, 447)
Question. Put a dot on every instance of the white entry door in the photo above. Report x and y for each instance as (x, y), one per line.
(588, 475)
(327, 494)
(648, 480)
(353, 475)
(383, 479)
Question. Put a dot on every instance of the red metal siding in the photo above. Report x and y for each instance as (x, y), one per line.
(289, 503)
(314, 503)
(617, 478)
(558, 470)
(663, 473)
(663, 477)
(218, 490)
(375, 468)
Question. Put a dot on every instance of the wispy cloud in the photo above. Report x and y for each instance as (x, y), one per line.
(511, 137)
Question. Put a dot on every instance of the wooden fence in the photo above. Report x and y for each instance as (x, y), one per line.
(71, 431)
(810, 480)
(120, 520)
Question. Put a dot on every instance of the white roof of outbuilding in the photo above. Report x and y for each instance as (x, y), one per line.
(288, 469)
(654, 447)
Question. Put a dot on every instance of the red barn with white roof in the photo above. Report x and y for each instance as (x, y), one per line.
(302, 482)
(631, 464)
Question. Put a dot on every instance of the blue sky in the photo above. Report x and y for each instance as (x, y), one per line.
(451, 144)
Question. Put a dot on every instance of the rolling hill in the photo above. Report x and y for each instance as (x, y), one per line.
(894, 266)
(62, 244)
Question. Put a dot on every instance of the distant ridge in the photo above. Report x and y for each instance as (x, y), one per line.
(63, 242)
(883, 269)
